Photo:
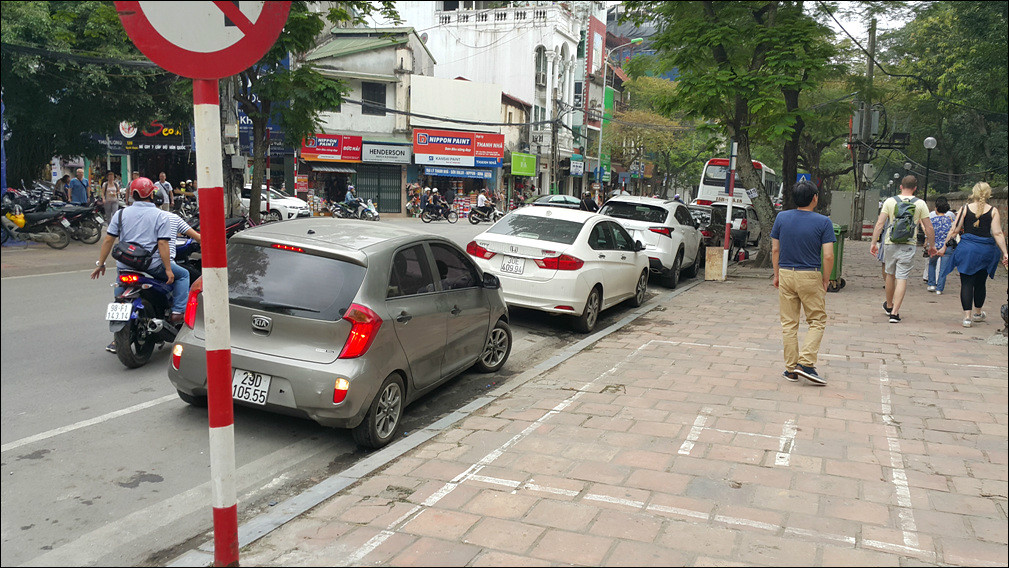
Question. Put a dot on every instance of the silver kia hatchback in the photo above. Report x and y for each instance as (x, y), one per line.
(346, 322)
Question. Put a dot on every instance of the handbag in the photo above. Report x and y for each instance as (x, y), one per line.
(132, 255)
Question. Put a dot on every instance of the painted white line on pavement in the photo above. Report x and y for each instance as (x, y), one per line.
(84, 423)
(927, 555)
(899, 476)
(695, 431)
(85, 271)
(786, 444)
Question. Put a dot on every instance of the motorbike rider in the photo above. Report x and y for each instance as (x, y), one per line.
(438, 204)
(353, 201)
(483, 203)
(587, 203)
(143, 223)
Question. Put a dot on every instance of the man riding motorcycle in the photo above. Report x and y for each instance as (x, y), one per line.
(437, 203)
(352, 200)
(484, 204)
(145, 224)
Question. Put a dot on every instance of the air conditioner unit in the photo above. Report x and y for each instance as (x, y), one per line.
(541, 79)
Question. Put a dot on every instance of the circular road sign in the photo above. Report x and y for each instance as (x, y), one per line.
(204, 39)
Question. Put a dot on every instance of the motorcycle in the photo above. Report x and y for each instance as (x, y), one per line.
(476, 216)
(85, 222)
(49, 227)
(363, 210)
(432, 213)
(140, 317)
(369, 212)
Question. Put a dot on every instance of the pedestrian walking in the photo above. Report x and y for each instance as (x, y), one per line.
(798, 239)
(165, 189)
(942, 221)
(78, 188)
(903, 213)
(110, 194)
(976, 257)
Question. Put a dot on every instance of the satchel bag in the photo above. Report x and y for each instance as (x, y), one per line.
(132, 255)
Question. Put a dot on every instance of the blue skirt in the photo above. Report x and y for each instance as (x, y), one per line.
(972, 255)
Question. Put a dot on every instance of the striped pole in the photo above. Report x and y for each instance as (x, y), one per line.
(730, 185)
(210, 181)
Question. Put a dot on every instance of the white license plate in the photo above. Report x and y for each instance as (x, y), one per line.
(65, 223)
(99, 219)
(513, 265)
(118, 311)
(250, 387)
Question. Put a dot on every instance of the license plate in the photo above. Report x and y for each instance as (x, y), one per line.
(99, 219)
(250, 387)
(118, 311)
(513, 265)
(65, 223)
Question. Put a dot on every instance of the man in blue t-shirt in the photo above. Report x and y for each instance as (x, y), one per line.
(78, 188)
(798, 238)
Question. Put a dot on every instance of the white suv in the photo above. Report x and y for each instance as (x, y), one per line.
(282, 207)
(670, 234)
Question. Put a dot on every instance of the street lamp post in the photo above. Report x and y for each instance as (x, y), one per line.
(602, 113)
(929, 143)
(896, 181)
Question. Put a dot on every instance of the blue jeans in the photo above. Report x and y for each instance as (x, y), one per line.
(935, 277)
(180, 286)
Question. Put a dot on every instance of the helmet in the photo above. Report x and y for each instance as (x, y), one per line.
(143, 187)
(350, 188)
(434, 190)
(189, 182)
(677, 196)
(427, 189)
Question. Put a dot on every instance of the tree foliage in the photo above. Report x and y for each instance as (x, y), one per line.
(61, 82)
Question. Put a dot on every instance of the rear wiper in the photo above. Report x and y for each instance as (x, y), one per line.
(259, 302)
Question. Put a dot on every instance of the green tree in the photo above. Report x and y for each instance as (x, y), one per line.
(69, 70)
(296, 94)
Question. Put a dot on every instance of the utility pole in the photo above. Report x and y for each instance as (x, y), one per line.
(864, 137)
(554, 184)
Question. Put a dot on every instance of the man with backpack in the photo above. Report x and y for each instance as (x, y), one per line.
(903, 213)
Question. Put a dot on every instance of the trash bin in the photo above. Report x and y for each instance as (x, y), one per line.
(840, 235)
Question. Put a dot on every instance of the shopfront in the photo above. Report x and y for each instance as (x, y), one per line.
(382, 174)
(330, 162)
(464, 162)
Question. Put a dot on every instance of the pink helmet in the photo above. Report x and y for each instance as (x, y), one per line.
(143, 187)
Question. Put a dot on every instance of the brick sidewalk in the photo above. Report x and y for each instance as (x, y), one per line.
(676, 441)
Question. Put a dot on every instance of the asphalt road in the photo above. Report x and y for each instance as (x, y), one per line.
(105, 465)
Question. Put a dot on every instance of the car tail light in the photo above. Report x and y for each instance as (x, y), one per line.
(707, 233)
(340, 389)
(562, 262)
(568, 308)
(703, 202)
(667, 231)
(193, 302)
(176, 356)
(742, 224)
(287, 247)
(364, 328)
(476, 250)
(129, 278)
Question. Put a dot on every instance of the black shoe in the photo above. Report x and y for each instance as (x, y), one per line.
(111, 347)
(790, 375)
(886, 309)
(894, 318)
(810, 374)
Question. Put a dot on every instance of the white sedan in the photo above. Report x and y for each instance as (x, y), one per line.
(281, 206)
(563, 261)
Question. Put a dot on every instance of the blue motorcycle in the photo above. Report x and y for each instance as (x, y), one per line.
(140, 317)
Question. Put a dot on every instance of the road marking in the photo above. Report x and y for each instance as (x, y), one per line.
(899, 476)
(85, 423)
(695, 431)
(787, 444)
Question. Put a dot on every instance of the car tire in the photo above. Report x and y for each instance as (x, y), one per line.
(695, 267)
(384, 415)
(497, 349)
(640, 290)
(671, 278)
(192, 399)
(273, 216)
(586, 322)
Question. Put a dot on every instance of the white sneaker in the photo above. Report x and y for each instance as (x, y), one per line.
(931, 288)
(979, 317)
(938, 292)
(967, 323)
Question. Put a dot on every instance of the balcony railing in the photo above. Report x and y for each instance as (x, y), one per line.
(541, 15)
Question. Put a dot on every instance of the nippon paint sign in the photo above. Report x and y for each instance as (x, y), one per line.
(331, 148)
(386, 153)
(452, 148)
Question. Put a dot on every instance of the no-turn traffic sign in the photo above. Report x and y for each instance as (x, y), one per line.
(204, 39)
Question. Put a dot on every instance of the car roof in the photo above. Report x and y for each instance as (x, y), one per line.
(347, 238)
(561, 213)
(641, 199)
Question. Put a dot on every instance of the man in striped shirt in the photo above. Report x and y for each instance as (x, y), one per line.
(180, 288)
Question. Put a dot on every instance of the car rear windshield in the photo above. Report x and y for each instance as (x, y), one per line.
(539, 228)
(289, 282)
(700, 214)
(634, 212)
(737, 211)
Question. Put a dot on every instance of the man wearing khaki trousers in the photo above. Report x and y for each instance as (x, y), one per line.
(798, 238)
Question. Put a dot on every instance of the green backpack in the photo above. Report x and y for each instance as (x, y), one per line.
(902, 231)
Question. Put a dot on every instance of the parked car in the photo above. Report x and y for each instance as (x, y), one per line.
(671, 237)
(282, 207)
(711, 224)
(346, 323)
(567, 201)
(745, 225)
(563, 262)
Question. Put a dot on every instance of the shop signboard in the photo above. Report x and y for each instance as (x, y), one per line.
(331, 148)
(301, 183)
(523, 164)
(459, 172)
(577, 167)
(453, 148)
(386, 153)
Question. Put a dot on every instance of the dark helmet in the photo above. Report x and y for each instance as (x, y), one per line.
(142, 187)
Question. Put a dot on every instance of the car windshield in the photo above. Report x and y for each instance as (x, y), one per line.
(715, 175)
(634, 211)
(539, 228)
(293, 283)
(702, 215)
(737, 211)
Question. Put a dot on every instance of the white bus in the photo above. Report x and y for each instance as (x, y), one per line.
(712, 187)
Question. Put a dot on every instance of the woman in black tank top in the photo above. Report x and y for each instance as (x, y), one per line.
(978, 225)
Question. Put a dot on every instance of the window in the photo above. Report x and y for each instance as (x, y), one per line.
(510, 117)
(373, 93)
(621, 239)
(455, 271)
(634, 211)
(411, 273)
(601, 237)
(682, 217)
(539, 228)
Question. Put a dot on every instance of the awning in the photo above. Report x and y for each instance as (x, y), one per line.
(317, 167)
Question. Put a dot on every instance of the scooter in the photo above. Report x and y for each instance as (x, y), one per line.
(85, 222)
(432, 213)
(476, 216)
(49, 227)
(140, 317)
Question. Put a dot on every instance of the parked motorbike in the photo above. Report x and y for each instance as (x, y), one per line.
(431, 213)
(140, 317)
(49, 227)
(476, 216)
(85, 222)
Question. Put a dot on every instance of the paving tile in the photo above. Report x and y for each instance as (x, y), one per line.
(561, 515)
(572, 548)
(504, 535)
(645, 554)
(435, 552)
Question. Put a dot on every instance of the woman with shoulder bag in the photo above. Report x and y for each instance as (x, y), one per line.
(110, 192)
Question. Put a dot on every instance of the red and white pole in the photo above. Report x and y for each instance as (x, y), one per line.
(210, 181)
(731, 184)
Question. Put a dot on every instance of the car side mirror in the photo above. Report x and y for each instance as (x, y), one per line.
(491, 281)
(638, 246)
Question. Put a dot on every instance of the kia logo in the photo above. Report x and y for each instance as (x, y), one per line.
(262, 323)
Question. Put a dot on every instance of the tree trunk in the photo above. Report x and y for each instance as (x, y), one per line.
(790, 154)
(258, 165)
(765, 210)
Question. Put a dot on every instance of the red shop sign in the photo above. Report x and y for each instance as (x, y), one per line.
(331, 148)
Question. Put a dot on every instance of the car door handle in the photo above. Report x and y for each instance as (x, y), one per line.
(404, 317)
(623, 257)
(602, 256)
(455, 311)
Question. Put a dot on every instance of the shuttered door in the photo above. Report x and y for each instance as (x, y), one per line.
(381, 184)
